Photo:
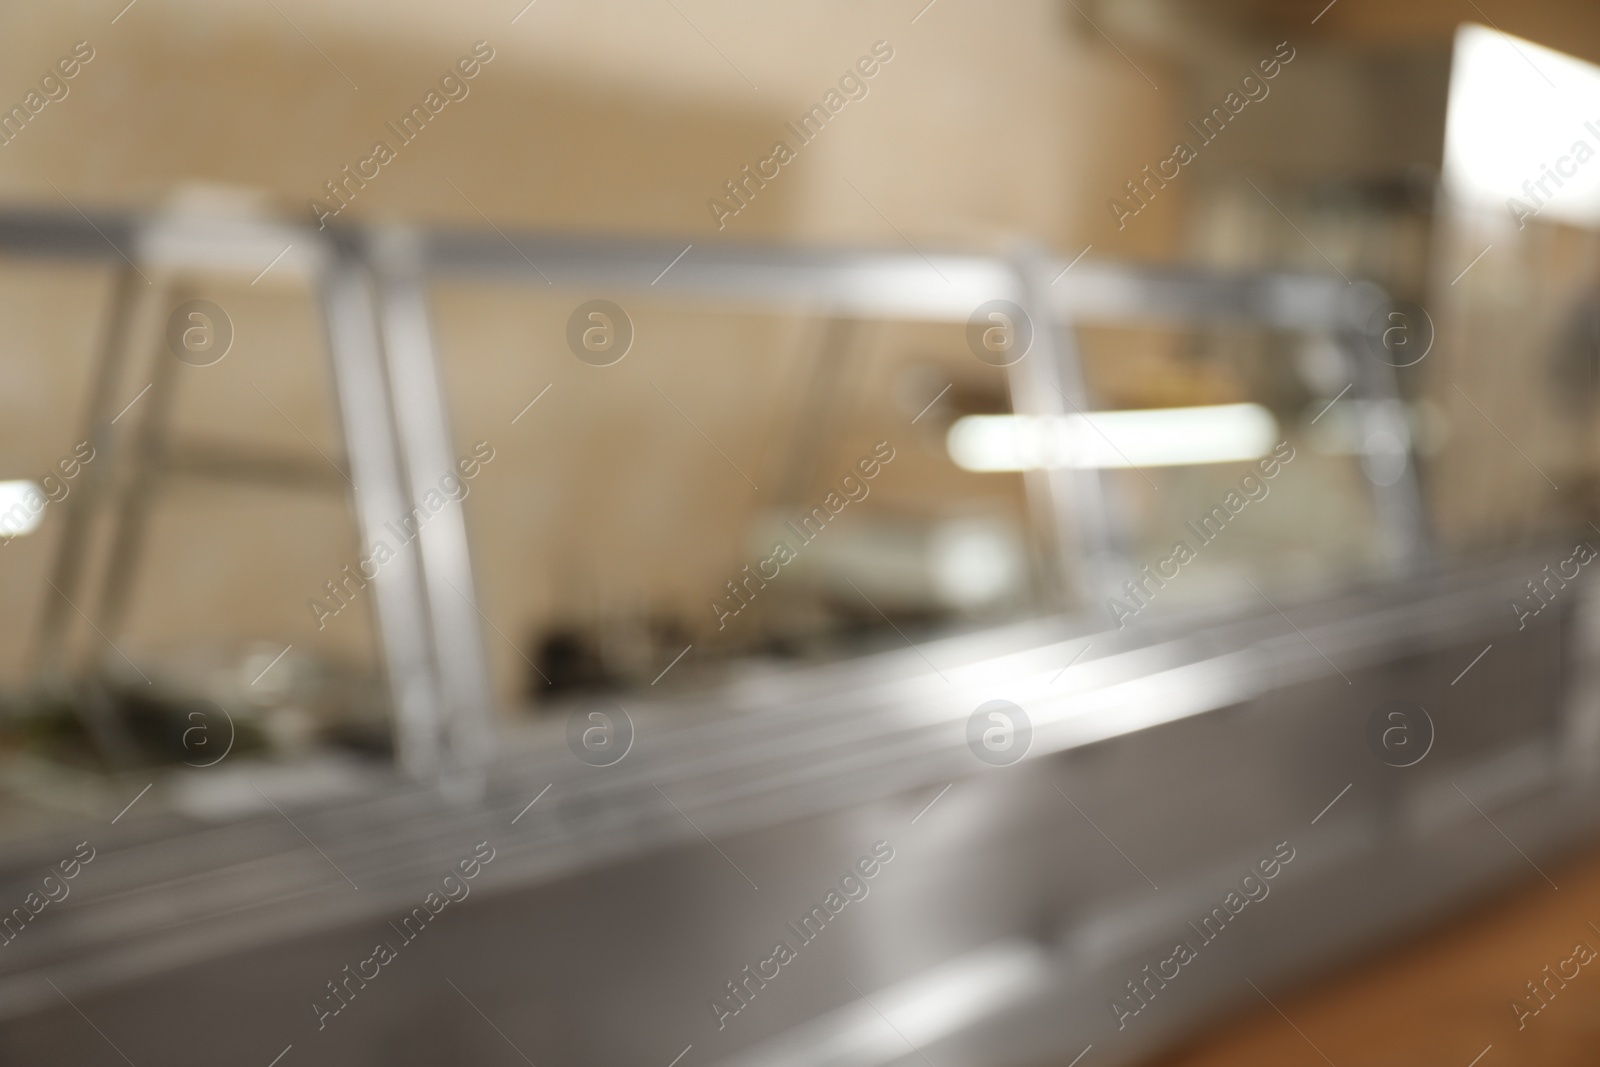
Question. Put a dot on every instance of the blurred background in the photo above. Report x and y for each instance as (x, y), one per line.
(1175, 418)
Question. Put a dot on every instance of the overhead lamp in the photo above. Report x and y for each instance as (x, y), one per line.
(1159, 437)
(21, 508)
(1522, 129)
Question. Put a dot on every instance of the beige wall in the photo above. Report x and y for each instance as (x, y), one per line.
(616, 116)
(988, 123)
(991, 122)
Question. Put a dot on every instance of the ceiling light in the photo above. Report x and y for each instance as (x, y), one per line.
(1161, 437)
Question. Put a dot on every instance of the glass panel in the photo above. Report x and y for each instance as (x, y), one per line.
(224, 488)
(791, 496)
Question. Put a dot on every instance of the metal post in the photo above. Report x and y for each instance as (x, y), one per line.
(1383, 428)
(423, 429)
(1048, 383)
(139, 468)
(382, 505)
(68, 568)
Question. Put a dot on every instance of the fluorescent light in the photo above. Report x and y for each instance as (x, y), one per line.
(21, 508)
(1517, 116)
(1161, 437)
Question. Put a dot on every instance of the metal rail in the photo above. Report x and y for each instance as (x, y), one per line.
(373, 287)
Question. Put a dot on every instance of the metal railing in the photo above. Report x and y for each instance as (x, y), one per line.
(373, 288)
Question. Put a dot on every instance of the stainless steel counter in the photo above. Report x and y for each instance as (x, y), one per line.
(1019, 903)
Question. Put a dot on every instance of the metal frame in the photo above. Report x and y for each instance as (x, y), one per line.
(397, 445)
(788, 777)
(373, 291)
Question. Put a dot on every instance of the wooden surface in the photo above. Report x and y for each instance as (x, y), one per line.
(1442, 998)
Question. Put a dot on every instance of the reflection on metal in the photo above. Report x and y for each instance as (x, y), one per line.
(945, 1000)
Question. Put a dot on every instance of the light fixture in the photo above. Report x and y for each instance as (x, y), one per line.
(1522, 130)
(1160, 437)
(21, 508)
